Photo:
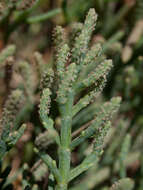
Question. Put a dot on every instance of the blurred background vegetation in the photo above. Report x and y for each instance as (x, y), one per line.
(29, 26)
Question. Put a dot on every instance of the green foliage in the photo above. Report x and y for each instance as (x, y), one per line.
(70, 81)
(124, 151)
(78, 148)
(138, 10)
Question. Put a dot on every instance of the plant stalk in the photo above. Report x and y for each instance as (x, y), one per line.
(64, 149)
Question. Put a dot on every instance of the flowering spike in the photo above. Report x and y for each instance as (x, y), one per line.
(66, 84)
(58, 37)
(8, 51)
(47, 78)
(94, 76)
(102, 116)
(76, 29)
(11, 109)
(45, 106)
(26, 72)
(43, 140)
(62, 58)
(81, 43)
(92, 54)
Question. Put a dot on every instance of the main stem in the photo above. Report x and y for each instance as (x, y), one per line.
(64, 149)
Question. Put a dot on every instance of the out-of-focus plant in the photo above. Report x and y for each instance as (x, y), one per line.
(16, 13)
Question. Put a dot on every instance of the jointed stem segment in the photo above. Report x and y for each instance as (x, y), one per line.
(64, 149)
